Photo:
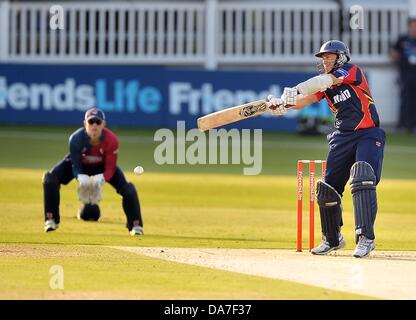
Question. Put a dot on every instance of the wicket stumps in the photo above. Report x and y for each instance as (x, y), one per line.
(311, 200)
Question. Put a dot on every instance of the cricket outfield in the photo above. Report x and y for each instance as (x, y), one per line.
(212, 211)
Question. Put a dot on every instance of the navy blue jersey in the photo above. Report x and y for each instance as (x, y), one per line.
(406, 47)
(351, 101)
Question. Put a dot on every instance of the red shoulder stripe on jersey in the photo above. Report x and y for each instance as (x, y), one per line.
(352, 76)
(363, 90)
(370, 99)
(331, 106)
(354, 71)
(364, 84)
(366, 121)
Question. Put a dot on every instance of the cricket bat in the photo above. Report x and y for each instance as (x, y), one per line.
(233, 114)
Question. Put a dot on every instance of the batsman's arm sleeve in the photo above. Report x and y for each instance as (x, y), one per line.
(110, 159)
(75, 149)
(316, 84)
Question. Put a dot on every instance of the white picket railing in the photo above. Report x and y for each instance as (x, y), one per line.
(272, 33)
(207, 33)
(383, 23)
(109, 32)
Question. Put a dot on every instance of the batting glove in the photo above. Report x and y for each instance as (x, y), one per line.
(289, 96)
(276, 105)
(279, 111)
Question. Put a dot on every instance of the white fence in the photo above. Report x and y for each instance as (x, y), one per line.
(207, 33)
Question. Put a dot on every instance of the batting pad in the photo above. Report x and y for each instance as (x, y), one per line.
(330, 209)
(364, 197)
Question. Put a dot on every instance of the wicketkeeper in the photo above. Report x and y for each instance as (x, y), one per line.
(355, 147)
(92, 160)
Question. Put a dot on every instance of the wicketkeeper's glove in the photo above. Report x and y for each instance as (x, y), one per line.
(98, 179)
(84, 188)
(83, 179)
(96, 190)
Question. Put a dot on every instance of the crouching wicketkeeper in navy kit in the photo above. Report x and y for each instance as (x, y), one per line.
(355, 148)
(92, 160)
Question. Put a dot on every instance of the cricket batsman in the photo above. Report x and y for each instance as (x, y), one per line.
(355, 148)
(92, 161)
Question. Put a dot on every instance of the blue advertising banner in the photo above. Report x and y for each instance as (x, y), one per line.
(56, 94)
(136, 96)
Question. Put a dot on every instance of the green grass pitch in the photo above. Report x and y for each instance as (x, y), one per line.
(183, 206)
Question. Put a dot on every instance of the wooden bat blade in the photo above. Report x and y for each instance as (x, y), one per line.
(233, 114)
